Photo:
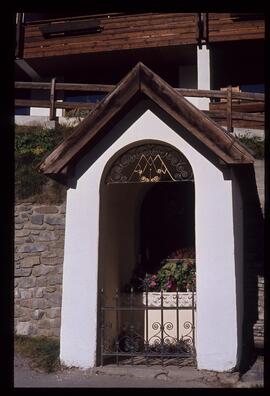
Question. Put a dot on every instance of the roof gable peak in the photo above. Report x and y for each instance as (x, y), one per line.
(142, 80)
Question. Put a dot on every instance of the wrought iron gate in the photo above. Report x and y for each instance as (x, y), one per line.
(147, 327)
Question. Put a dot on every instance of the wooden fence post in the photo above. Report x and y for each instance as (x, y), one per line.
(229, 109)
(52, 100)
(19, 22)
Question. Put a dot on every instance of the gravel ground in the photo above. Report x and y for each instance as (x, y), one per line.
(132, 377)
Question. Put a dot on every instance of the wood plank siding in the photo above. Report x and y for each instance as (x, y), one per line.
(228, 27)
(119, 32)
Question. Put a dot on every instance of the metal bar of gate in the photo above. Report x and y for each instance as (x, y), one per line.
(102, 304)
(147, 352)
(131, 326)
(146, 327)
(193, 322)
(162, 329)
(117, 326)
(177, 323)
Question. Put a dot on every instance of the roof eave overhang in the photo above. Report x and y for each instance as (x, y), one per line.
(142, 80)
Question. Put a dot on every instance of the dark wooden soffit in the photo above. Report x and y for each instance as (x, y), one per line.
(141, 80)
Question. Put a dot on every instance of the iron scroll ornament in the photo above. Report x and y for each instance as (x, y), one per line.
(150, 163)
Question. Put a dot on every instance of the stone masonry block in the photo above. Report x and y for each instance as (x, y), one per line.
(41, 281)
(23, 208)
(46, 209)
(54, 299)
(45, 323)
(47, 236)
(50, 260)
(53, 313)
(30, 261)
(25, 328)
(38, 292)
(31, 248)
(35, 227)
(37, 314)
(37, 219)
(53, 280)
(63, 208)
(21, 233)
(40, 270)
(26, 283)
(20, 272)
(19, 220)
(26, 294)
(54, 220)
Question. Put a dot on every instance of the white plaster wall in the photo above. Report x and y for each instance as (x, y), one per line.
(44, 112)
(216, 328)
(203, 75)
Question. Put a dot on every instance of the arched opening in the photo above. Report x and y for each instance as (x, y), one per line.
(147, 228)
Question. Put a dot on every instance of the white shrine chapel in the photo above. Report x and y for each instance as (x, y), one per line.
(143, 150)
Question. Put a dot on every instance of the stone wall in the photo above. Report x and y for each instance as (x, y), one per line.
(39, 251)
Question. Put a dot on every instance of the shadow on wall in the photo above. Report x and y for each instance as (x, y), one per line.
(253, 250)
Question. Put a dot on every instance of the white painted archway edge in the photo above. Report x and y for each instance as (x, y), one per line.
(216, 327)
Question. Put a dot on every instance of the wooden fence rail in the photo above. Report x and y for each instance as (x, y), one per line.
(200, 93)
(230, 112)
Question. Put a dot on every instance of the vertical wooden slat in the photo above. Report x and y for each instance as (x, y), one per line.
(205, 27)
(229, 109)
(198, 24)
(52, 100)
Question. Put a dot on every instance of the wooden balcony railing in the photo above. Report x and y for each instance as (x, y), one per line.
(237, 109)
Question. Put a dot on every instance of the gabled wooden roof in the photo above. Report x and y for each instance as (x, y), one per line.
(141, 80)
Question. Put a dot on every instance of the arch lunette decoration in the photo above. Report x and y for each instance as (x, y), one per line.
(150, 163)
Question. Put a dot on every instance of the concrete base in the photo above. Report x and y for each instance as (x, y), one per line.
(45, 122)
(41, 121)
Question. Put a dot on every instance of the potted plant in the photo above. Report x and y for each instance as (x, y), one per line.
(177, 272)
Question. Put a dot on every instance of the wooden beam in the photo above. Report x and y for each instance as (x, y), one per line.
(235, 115)
(52, 100)
(32, 103)
(58, 105)
(205, 27)
(91, 125)
(229, 109)
(192, 119)
(64, 86)
(244, 107)
(19, 31)
(200, 93)
(27, 69)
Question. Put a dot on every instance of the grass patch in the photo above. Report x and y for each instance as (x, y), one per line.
(42, 351)
(32, 145)
(254, 143)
